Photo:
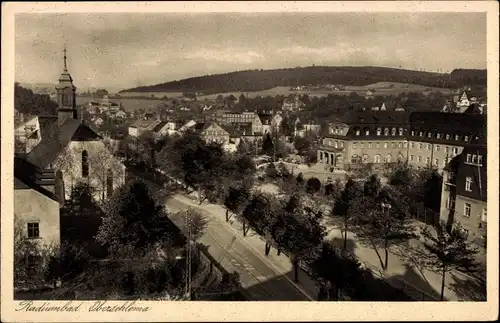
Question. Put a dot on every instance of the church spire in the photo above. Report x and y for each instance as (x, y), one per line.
(65, 66)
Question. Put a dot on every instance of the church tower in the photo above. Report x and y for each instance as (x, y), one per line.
(66, 96)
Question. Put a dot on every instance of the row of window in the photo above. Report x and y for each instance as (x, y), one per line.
(474, 159)
(439, 136)
(428, 160)
(377, 145)
(450, 204)
(393, 131)
(355, 159)
(437, 147)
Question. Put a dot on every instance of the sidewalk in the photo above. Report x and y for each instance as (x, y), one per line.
(281, 264)
(424, 283)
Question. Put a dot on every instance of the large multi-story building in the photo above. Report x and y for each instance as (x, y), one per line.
(379, 138)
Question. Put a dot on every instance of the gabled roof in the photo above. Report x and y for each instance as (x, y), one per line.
(143, 123)
(29, 176)
(448, 121)
(265, 117)
(159, 126)
(55, 139)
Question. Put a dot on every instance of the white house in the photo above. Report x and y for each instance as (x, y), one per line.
(140, 126)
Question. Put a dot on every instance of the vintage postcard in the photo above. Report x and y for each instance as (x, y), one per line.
(249, 161)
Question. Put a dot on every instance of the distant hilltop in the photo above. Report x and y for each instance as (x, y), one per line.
(259, 80)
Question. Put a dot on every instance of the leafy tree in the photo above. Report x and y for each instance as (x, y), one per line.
(260, 213)
(302, 144)
(134, 224)
(25, 101)
(448, 250)
(191, 221)
(372, 187)
(267, 145)
(81, 218)
(236, 200)
(271, 171)
(220, 98)
(382, 219)
(100, 93)
(298, 230)
(334, 189)
(401, 175)
(300, 179)
(342, 205)
(313, 185)
(335, 272)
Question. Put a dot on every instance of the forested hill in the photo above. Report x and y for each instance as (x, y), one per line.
(25, 101)
(257, 80)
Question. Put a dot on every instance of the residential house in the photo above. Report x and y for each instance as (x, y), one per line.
(213, 132)
(141, 126)
(464, 193)
(276, 122)
(26, 133)
(186, 126)
(266, 121)
(36, 207)
(293, 105)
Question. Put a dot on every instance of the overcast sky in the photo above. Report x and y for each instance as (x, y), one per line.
(118, 51)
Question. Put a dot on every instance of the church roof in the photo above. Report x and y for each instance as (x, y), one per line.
(55, 139)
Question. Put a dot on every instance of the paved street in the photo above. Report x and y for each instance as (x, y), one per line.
(258, 277)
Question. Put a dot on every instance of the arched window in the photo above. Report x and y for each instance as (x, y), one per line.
(400, 131)
(357, 132)
(400, 157)
(85, 164)
(393, 131)
(354, 159)
(365, 158)
(109, 183)
(386, 131)
(367, 132)
(379, 131)
(388, 158)
(377, 159)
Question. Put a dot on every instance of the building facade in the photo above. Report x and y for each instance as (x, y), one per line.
(379, 138)
(464, 192)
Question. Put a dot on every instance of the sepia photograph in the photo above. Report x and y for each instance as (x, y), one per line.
(238, 156)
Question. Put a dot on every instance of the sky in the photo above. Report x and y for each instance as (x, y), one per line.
(123, 50)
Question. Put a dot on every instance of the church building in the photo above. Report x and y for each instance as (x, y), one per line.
(73, 149)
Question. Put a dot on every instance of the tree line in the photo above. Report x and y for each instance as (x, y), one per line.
(257, 80)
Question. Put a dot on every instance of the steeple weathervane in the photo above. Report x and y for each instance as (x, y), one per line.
(65, 67)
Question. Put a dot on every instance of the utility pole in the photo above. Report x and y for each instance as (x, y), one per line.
(188, 258)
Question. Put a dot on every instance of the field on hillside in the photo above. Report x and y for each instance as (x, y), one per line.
(381, 88)
(128, 104)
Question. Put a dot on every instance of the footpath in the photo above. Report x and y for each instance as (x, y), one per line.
(403, 271)
(281, 264)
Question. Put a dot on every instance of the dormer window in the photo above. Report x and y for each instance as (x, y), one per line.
(421, 134)
(429, 135)
(480, 160)
(379, 131)
(400, 131)
(413, 133)
(438, 136)
(357, 132)
(393, 131)
(447, 137)
(466, 138)
(457, 137)
(386, 131)
(367, 132)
